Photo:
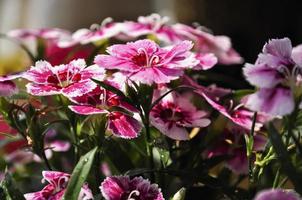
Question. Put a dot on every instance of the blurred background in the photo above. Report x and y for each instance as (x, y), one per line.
(249, 23)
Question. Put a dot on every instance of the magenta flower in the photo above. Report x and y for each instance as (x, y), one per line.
(277, 73)
(101, 101)
(51, 38)
(71, 80)
(277, 194)
(124, 188)
(146, 62)
(232, 144)
(154, 25)
(174, 114)
(205, 42)
(57, 183)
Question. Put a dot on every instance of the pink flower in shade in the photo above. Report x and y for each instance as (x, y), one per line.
(154, 25)
(205, 42)
(71, 80)
(146, 62)
(106, 30)
(237, 113)
(7, 86)
(277, 194)
(232, 144)
(277, 74)
(57, 183)
(100, 101)
(125, 188)
(174, 114)
(51, 38)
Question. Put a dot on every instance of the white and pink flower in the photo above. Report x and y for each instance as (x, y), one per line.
(101, 101)
(123, 188)
(144, 61)
(277, 74)
(57, 183)
(176, 113)
(71, 80)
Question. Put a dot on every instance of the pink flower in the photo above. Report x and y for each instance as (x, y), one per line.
(277, 74)
(232, 144)
(71, 80)
(174, 114)
(237, 113)
(154, 25)
(205, 42)
(124, 188)
(277, 194)
(51, 39)
(146, 62)
(7, 86)
(101, 101)
(57, 183)
(106, 30)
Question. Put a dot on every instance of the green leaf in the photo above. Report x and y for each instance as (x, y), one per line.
(284, 158)
(180, 195)
(79, 175)
(8, 189)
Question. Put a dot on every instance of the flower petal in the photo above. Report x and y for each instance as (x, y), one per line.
(86, 110)
(123, 125)
(42, 90)
(262, 75)
(275, 101)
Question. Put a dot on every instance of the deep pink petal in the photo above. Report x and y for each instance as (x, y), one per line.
(86, 110)
(123, 125)
(42, 90)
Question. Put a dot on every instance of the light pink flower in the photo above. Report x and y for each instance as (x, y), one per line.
(174, 114)
(277, 74)
(205, 42)
(101, 101)
(206, 61)
(71, 80)
(57, 183)
(146, 62)
(123, 188)
(277, 194)
(154, 25)
(108, 29)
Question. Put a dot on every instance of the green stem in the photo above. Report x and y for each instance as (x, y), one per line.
(149, 145)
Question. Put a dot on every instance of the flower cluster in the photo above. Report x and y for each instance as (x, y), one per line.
(123, 103)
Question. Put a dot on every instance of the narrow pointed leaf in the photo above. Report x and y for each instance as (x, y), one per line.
(79, 175)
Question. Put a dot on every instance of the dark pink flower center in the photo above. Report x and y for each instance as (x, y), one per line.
(64, 79)
(143, 59)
